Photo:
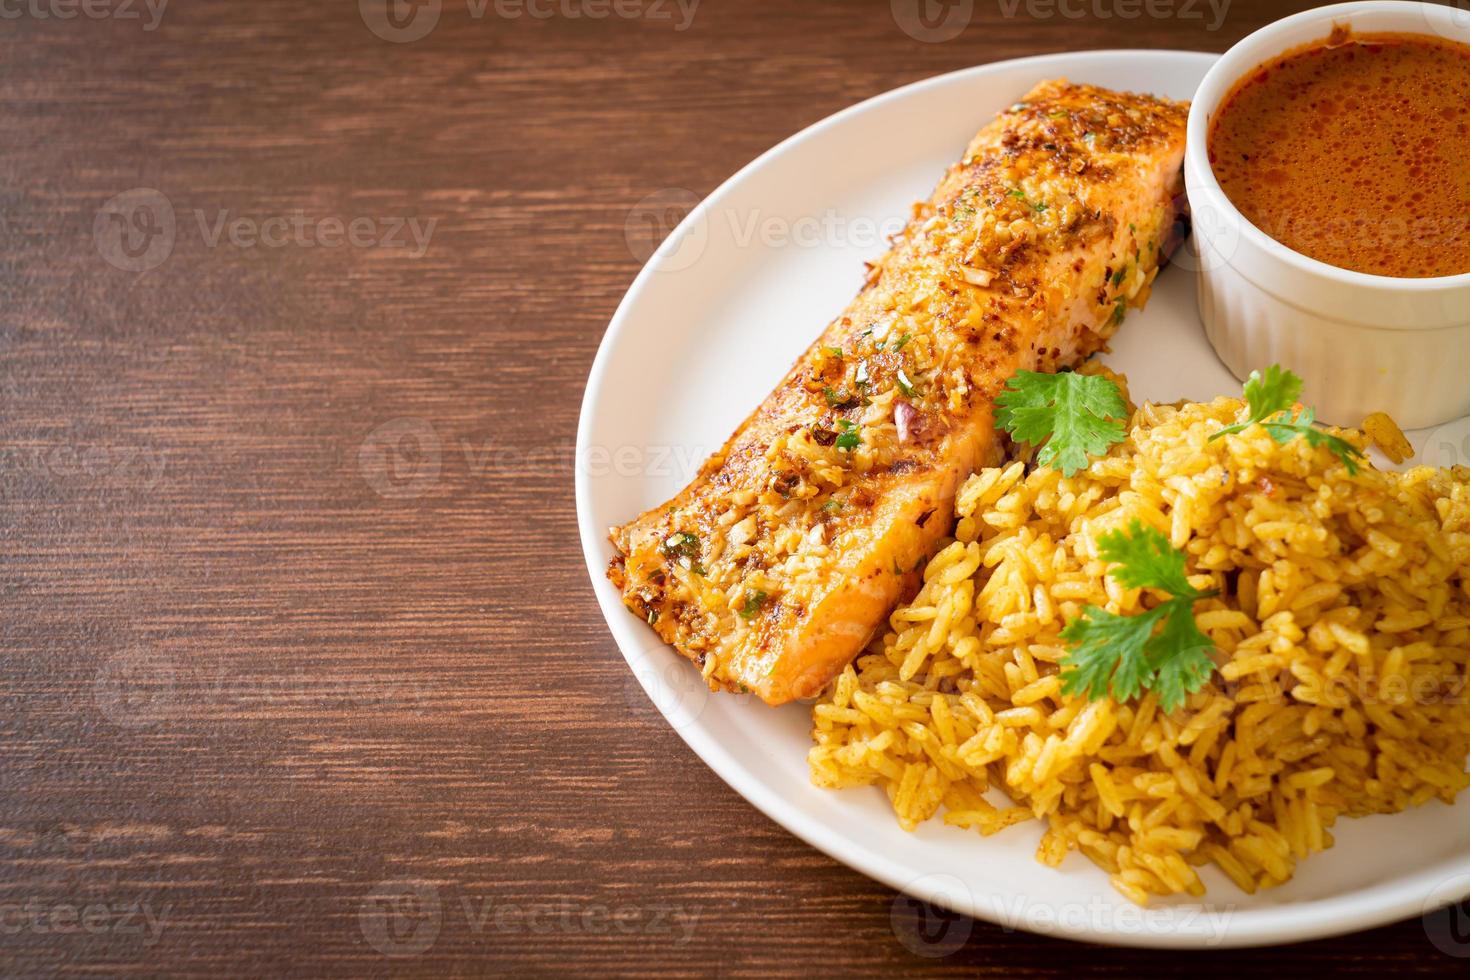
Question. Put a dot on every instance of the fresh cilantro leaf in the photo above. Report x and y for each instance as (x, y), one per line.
(1303, 424)
(1123, 656)
(1146, 560)
(1270, 401)
(1275, 391)
(1109, 653)
(1070, 416)
(1179, 655)
(850, 438)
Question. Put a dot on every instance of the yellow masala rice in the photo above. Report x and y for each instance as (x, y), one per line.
(1342, 635)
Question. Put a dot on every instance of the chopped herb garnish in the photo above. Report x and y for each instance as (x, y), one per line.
(1122, 656)
(1132, 228)
(835, 351)
(1120, 309)
(1070, 416)
(684, 548)
(860, 377)
(849, 438)
(837, 396)
(1270, 400)
(904, 384)
(1058, 114)
(754, 599)
(681, 544)
(1118, 276)
(898, 344)
(1020, 195)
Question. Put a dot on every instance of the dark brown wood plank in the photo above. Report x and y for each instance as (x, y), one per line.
(255, 684)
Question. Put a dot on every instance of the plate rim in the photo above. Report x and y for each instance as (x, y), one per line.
(1351, 911)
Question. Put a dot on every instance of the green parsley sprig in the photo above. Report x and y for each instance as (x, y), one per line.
(1161, 650)
(1271, 398)
(1070, 416)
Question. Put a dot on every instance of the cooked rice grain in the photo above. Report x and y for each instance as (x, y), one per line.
(1342, 632)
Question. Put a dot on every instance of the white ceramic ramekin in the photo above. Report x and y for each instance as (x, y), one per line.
(1362, 343)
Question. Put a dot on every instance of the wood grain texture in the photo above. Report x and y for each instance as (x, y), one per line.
(300, 665)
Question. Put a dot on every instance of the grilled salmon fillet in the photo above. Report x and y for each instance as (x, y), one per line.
(794, 542)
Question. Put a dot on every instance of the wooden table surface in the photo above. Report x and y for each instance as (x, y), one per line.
(301, 670)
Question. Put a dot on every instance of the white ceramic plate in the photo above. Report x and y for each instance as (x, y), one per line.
(714, 320)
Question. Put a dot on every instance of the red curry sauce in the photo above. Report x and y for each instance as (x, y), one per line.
(1355, 151)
